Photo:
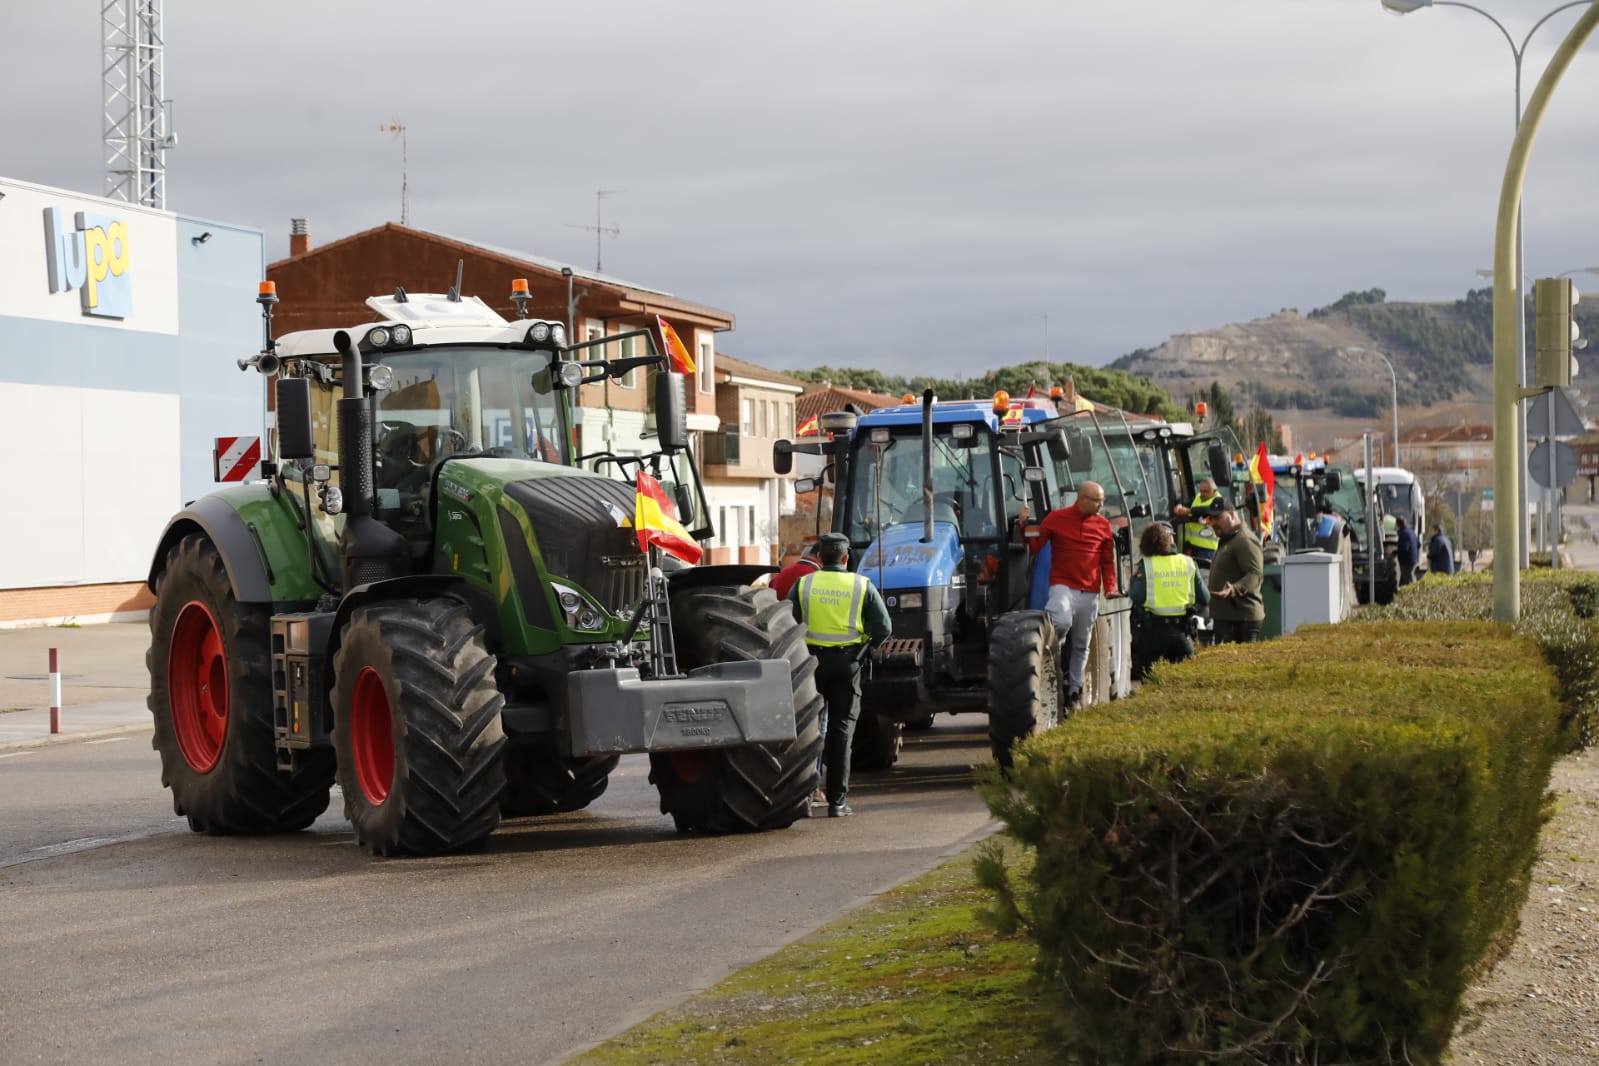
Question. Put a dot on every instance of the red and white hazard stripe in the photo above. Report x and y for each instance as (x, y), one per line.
(237, 458)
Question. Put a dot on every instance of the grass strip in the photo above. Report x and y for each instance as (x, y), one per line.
(913, 977)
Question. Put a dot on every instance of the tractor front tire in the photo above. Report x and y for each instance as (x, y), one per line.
(417, 728)
(877, 741)
(539, 780)
(757, 786)
(1024, 680)
(211, 698)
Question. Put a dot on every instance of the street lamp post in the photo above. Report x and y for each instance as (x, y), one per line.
(1393, 381)
(1405, 7)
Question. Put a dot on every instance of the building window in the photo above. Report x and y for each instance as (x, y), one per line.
(630, 379)
(748, 428)
(593, 331)
(764, 424)
(751, 540)
(706, 382)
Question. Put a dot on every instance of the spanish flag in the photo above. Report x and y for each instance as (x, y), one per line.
(1260, 474)
(682, 362)
(654, 524)
(808, 428)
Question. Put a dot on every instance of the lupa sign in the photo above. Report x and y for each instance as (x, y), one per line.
(91, 257)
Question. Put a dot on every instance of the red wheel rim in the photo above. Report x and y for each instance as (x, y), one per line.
(372, 736)
(690, 766)
(197, 686)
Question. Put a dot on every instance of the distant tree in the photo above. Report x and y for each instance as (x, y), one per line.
(1348, 300)
(1259, 426)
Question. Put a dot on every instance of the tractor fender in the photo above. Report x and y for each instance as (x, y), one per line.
(726, 574)
(414, 586)
(242, 552)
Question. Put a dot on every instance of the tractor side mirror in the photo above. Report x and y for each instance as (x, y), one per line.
(684, 495)
(671, 412)
(783, 456)
(805, 485)
(294, 419)
(1221, 464)
(1334, 481)
(1059, 450)
(1034, 474)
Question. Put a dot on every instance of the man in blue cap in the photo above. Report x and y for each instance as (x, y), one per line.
(847, 620)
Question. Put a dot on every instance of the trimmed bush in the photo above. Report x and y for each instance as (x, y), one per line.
(1292, 852)
(1559, 610)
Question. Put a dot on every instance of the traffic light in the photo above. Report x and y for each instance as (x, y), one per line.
(1555, 331)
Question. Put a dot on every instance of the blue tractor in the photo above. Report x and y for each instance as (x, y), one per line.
(928, 494)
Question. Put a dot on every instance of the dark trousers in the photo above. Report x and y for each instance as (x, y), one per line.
(1230, 632)
(838, 678)
(1158, 641)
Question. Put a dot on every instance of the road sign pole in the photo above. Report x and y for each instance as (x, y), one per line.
(1554, 491)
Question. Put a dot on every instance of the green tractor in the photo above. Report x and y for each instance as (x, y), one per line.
(430, 601)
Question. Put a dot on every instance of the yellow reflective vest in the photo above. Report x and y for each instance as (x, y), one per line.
(833, 603)
(1169, 585)
(1196, 533)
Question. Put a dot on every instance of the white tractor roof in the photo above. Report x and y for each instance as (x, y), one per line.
(433, 317)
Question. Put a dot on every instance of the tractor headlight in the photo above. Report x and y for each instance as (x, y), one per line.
(558, 334)
(578, 612)
(401, 334)
(570, 375)
(539, 333)
(910, 601)
(332, 499)
(379, 376)
(378, 338)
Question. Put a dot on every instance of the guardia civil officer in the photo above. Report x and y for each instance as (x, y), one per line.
(1166, 588)
(1199, 539)
(847, 620)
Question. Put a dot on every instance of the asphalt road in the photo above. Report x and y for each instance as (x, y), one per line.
(129, 939)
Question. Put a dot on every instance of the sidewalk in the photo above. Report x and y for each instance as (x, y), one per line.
(103, 682)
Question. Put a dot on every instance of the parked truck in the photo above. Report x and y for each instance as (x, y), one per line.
(427, 601)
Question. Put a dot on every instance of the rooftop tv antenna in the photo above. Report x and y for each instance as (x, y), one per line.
(405, 170)
(137, 117)
(600, 229)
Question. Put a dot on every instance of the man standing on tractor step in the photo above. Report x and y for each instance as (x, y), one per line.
(1199, 540)
(1082, 561)
(847, 620)
(1236, 573)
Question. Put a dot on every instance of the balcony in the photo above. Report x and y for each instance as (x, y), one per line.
(728, 453)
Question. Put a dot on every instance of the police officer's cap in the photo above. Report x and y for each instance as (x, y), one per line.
(833, 540)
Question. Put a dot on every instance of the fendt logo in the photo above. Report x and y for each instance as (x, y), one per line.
(92, 258)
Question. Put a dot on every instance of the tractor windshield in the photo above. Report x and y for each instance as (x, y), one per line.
(468, 400)
(886, 482)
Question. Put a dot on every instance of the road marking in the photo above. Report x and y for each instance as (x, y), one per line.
(71, 847)
(14, 754)
(105, 740)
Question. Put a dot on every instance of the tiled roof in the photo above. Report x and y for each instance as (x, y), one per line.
(1456, 434)
(744, 369)
(833, 398)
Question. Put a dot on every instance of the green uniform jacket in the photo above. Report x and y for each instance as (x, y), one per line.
(1238, 560)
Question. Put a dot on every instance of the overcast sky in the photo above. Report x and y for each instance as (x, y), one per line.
(909, 185)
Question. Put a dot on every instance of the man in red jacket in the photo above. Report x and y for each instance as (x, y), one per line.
(1082, 563)
(784, 579)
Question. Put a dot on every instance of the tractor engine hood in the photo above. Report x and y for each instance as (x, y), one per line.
(583, 531)
(908, 562)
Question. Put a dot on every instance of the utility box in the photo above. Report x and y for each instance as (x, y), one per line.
(1271, 597)
(1313, 590)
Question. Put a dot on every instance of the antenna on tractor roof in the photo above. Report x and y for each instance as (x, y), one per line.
(455, 293)
(399, 295)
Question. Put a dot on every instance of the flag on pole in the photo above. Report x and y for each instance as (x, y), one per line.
(808, 428)
(682, 362)
(1030, 391)
(654, 524)
(1260, 474)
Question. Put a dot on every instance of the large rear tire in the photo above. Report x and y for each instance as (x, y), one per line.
(758, 786)
(211, 698)
(417, 728)
(1024, 680)
(538, 780)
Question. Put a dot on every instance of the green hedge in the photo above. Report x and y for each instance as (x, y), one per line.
(1559, 610)
(1297, 851)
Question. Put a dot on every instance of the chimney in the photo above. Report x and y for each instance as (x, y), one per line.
(299, 238)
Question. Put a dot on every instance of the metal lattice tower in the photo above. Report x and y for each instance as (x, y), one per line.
(136, 120)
